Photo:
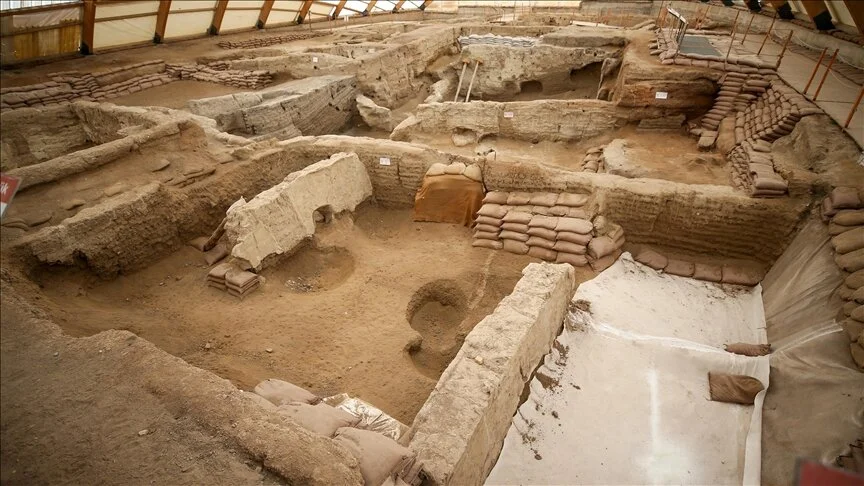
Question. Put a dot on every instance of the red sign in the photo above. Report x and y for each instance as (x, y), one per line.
(8, 187)
(812, 473)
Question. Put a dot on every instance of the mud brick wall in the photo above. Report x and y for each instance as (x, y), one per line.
(270, 41)
(33, 136)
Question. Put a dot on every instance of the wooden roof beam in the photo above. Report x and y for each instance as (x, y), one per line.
(398, 6)
(304, 10)
(369, 7)
(856, 10)
(266, 7)
(425, 4)
(88, 27)
(218, 15)
(338, 10)
(818, 13)
(161, 20)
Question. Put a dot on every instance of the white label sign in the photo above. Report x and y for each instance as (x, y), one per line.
(661, 95)
(314, 59)
(508, 114)
(385, 160)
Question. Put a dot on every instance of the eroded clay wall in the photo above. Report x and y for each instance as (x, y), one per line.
(459, 432)
(31, 136)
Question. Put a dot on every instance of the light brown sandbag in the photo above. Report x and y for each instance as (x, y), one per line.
(708, 272)
(577, 238)
(487, 228)
(548, 222)
(858, 314)
(491, 244)
(379, 456)
(280, 392)
(733, 388)
(578, 213)
(605, 262)
(513, 235)
(568, 247)
(852, 261)
(517, 227)
(483, 235)
(320, 418)
(518, 198)
(680, 268)
(858, 296)
(575, 260)
(845, 198)
(849, 241)
(740, 276)
(572, 200)
(547, 199)
(541, 210)
(857, 354)
(493, 211)
(496, 197)
(540, 242)
(542, 253)
(835, 229)
(853, 329)
(558, 211)
(517, 217)
(651, 258)
(514, 246)
(488, 221)
(542, 233)
(855, 280)
(600, 247)
(849, 217)
(746, 349)
(574, 225)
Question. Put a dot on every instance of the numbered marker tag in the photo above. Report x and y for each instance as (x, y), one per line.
(315, 59)
(385, 160)
(508, 114)
(661, 95)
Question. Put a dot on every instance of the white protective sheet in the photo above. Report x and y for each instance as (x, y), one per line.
(628, 401)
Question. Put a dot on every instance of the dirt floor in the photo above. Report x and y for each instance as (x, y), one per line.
(334, 316)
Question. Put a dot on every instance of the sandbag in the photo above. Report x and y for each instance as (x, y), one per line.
(575, 260)
(456, 168)
(746, 349)
(858, 296)
(857, 351)
(568, 247)
(708, 272)
(548, 222)
(540, 242)
(267, 404)
(483, 235)
(474, 173)
(513, 235)
(855, 280)
(858, 313)
(542, 210)
(740, 276)
(558, 211)
(320, 418)
(835, 229)
(849, 217)
(198, 243)
(574, 225)
(518, 198)
(280, 392)
(852, 261)
(486, 228)
(849, 241)
(827, 209)
(436, 169)
(578, 213)
(493, 211)
(542, 233)
(600, 247)
(379, 457)
(680, 268)
(517, 227)
(845, 292)
(733, 388)
(605, 262)
(517, 217)
(496, 197)
(572, 200)
(546, 199)
(491, 244)
(488, 221)
(652, 259)
(514, 246)
(542, 253)
(577, 238)
(853, 329)
(845, 198)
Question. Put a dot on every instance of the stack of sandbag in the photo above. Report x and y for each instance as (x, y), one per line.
(753, 170)
(772, 113)
(605, 248)
(381, 458)
(235, 281)
(843, 209)
(472, 171)
(748, 275)
(593, 160)
(549, 226)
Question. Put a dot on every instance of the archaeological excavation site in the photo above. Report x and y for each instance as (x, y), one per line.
(437, 243)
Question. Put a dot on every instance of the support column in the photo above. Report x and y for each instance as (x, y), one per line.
(161, 20)
(266, 7)
(218, 15)
(88, 27)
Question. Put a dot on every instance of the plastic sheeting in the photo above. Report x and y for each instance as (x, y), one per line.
(371, 418)
(626, 396)
(815, 407)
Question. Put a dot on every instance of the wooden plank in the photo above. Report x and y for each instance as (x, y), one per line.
(126, 17)
(218, 15)
(304, 10)
(88, 28)
(161, 20)
(398, 6)
(30, 30)
(44, 8)
(425, 4)
(369, 7)
(816, 8)
(266, 7)
(856, 10)
(339, 8)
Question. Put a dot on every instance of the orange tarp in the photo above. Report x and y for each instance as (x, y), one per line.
(448, 199)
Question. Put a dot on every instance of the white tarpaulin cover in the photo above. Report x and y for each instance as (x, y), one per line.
(623, 398)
